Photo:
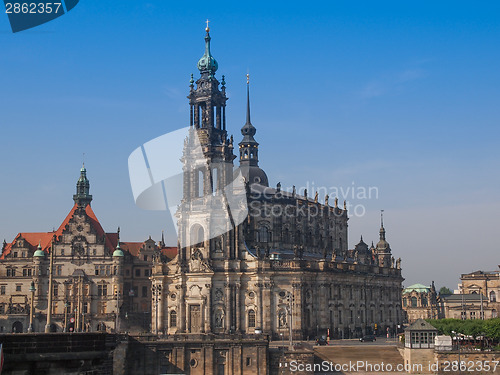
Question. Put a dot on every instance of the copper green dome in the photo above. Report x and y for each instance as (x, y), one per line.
(39, 252)
(118, 252)
(207, 63)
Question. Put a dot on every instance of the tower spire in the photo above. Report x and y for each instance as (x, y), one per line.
(207, 64)
(249, 149)
(382, 229)
(82, 197)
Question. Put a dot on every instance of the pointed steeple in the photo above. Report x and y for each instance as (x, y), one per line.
(249, 149)
(382, 229)
(82, 197)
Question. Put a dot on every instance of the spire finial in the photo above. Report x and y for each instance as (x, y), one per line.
(381, 218)
(248, 99)
(83, 160)
(207, 28)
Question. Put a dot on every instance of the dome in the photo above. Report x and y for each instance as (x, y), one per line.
(39, 252)
(118, 252)
(254, 175)
(207, 61)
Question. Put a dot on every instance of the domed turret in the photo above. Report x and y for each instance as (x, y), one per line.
(207, 63)
(118, 252)
(39, 252)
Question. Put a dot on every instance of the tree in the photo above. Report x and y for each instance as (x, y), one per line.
(444, 291)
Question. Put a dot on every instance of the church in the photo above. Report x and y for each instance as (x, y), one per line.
(284, 269)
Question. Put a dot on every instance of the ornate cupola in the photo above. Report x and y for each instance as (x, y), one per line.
(207, 64)
(82, 197)
(249, 150)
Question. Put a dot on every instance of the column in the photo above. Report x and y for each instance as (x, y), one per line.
(208, 314)
(227, 313)
(182, 309)
(238, 303)
(161, 309)
(297, 310)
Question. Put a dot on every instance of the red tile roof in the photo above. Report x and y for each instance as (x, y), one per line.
(46, 238)
(169, 252)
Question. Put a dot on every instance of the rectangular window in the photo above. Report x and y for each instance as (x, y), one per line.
(108, 270)
(85, 308)
(23, 254)
(137, 272)
(3, 289)
(144, 291)
(340, 317)
(352, 316)
(18, 288)
(9, 272)
(14, 254)
(97, 270)
(102, 290)
(463, 315)
(55, 289)
(473, 315)
(102, 269)
(145, 258)
(101, 308)
(25, 272)
(147, 272)
(62, 252)
(59, 270)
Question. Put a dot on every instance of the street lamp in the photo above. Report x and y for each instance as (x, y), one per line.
(32, 305)
(458, 343)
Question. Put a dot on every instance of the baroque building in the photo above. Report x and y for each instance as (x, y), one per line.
(284, 268)
(91, 276)
(420, 302)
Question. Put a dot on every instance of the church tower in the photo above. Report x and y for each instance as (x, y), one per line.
(249, 150)
(383, 249)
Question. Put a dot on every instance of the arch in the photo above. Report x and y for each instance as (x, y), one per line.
(17, 327)
(494, 313)
(173, 319)
(493, 296)
(251, 318)
(197, 235)
(245, 154)
(413, 301)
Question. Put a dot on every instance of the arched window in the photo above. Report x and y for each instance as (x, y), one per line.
(173, 318)
(245, 154)
(404, 302)
(424, 301)
(493, 296)
(251, 319)
(413, 301)
(493, 313)
(215, 180)
(264, 235)
(197, 235)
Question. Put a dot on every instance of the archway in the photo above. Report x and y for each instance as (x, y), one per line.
(17, 327)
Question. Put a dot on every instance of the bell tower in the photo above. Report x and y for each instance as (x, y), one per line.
(204, 221)
(82, 197)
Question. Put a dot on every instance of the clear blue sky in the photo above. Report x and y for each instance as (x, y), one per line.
(397, 95)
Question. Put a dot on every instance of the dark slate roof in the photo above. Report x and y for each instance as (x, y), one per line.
(420, 325)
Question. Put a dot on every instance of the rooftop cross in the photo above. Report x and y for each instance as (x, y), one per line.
(207, 29)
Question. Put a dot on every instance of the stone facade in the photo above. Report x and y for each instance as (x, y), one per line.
(420, 302)
(90, 273)
(285, 268)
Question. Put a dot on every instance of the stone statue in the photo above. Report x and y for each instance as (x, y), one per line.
(293, 191)
(278, 187)
(282, 318)
(398, 263)
(316, 197)
(219, 319)
(326, 200)
(336, 202)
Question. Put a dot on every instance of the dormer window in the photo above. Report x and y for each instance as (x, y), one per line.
(145, 258)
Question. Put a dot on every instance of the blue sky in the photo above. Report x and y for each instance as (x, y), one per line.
(397, 95)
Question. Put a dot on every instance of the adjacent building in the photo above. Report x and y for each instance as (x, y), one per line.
(96, 282)
(420, 302)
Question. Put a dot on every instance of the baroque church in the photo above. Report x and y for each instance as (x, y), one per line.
(285, 269)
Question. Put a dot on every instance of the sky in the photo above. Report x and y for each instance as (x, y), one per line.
(399, 97)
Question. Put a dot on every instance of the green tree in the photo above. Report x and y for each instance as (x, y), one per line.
(444, 291)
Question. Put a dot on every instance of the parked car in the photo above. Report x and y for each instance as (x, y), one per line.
(321, 341)
(366, 338)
